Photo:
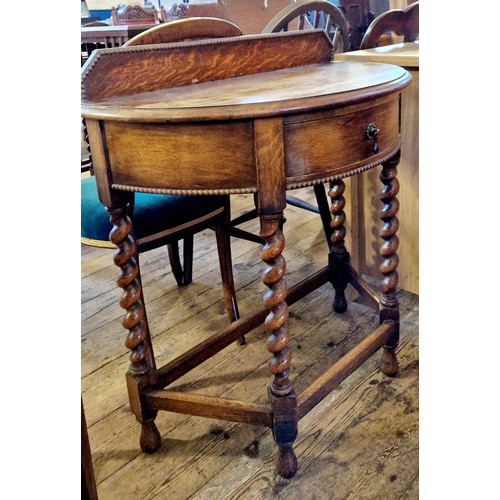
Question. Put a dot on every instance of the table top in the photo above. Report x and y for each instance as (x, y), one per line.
(402, 54)
(288, 90)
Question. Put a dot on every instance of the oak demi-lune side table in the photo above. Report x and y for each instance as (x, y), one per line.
(253, 114)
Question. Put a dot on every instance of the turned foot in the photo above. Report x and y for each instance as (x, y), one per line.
(388, 362)
(339, 302)
(150, 437)
(286, 463)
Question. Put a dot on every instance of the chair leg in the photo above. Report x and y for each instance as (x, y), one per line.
(188, 259)
(242, 234)
(297, 202)
(183, 274)
(324, 211)
(222, 234)
(175, 262)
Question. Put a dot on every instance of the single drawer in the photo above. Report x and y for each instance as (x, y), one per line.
(326, 144)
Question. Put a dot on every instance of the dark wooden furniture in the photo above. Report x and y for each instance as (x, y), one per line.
(306, 14)
(404, 23)
(292, 118)
(359, 16)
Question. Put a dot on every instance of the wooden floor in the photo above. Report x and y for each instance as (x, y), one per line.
(360, 442)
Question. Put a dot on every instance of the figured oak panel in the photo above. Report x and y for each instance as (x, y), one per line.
(328, 144)
(132, 70)
(182, 156)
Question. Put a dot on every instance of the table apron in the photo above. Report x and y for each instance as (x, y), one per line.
(219, 157)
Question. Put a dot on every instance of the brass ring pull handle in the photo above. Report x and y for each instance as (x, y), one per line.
(372, 133)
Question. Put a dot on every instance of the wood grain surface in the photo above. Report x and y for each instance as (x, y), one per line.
(131, 70)
(255, 94)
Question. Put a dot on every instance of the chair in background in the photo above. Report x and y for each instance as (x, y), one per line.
(134, 14)
(306, 14)
(166, 219)
(177, 11)
(358, 16)
(403, 23)
(191, 28)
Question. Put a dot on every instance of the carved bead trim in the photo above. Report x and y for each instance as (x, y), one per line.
(350, 173)
(250, 190)
(190, 192)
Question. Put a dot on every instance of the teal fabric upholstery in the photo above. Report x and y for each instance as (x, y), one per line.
(153, 213)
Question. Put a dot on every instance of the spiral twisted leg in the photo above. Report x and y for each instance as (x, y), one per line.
(142, 364)
(338, 256)
(388, 267)
(281, 394)
(86, 139)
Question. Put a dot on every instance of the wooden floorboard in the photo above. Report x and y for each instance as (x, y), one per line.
(360, 442)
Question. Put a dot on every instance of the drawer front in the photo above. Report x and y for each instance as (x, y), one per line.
(183, 157)
(329, 144)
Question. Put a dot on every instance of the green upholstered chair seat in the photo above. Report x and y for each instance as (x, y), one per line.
(154, 214)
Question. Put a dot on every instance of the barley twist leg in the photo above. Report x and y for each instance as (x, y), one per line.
(142, 363)
(388, 267)
(281, 393)
(338, 256)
